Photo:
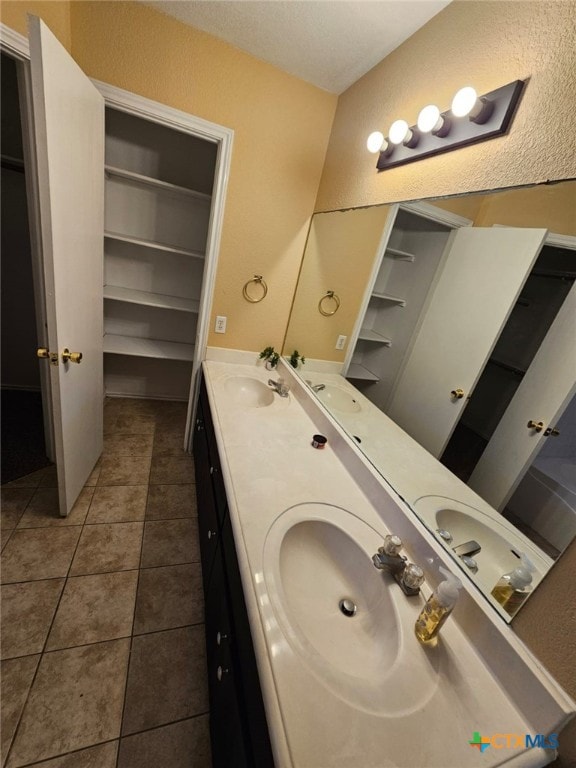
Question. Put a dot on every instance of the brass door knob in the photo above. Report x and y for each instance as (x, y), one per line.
(457, 393)
(537, 426)
(71, 357)
(551, 432)
(45, 354)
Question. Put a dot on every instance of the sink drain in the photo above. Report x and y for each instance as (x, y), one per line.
(347, 607)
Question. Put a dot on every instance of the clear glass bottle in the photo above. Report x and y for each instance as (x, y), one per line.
(437, 609)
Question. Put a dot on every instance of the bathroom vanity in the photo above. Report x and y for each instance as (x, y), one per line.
(288, 532)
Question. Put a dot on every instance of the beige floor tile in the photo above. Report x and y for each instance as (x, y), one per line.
(169, 442)
(95, 474)
(94, 609)
(43, 509)
(169, 597)
(169, 542)
(27, 612)
(128, 445)
(102, 756)
(166, 502)
(5, 534)
(118, 504)
(167, 679)
(170, 470)
(180, 745)
(14, 501)
(127, 422)
(108, 547)
(39, 553)
(17, 676)
(75, 702)
(28, 481)
(50, 478)
(124, 470)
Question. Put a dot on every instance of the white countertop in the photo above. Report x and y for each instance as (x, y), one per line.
(419, 711)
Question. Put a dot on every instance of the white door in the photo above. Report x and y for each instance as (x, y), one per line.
(545, 391)
(69, 137)
(480, 282)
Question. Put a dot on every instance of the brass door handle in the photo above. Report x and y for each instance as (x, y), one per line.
(458, 394)
(71, 357)
(551, 432)
(537, 426)
(44, 354)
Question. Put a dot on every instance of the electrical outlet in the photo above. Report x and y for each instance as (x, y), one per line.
(220, 325)
(341, 343)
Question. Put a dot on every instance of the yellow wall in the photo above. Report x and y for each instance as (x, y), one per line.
(56, 13)
(485, 44)
(340, 252)
(550, 206)
(281, 125)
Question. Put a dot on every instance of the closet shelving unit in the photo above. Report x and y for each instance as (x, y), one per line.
(410, 256)
(158, 202)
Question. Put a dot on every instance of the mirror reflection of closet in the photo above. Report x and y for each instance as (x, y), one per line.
(543, 294)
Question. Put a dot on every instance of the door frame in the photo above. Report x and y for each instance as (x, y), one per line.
(17, 45)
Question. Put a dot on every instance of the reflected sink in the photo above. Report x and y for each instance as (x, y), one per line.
(500, 541)
(315, 556)
(339, 399)
(245, 390)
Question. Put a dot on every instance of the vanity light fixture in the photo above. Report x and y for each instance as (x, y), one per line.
(470, 119)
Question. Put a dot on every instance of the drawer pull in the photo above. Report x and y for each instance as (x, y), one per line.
(220, 672)
(212, 535)
(220, 636)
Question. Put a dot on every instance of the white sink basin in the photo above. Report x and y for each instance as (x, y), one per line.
(315, 556)
(245, 390)
(339, 399)
(501, 543)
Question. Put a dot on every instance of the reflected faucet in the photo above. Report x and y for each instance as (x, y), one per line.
(279, 387)
(318, 387)
(407, 575)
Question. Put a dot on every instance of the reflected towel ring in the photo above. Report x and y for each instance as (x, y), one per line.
(329, 295)
(258, 280)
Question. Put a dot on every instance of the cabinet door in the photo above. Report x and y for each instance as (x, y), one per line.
(480, 282)
(207, 517)
(69, 134)
(226, 725)
(540, 397)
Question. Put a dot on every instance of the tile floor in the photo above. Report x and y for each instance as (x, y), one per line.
(102, 636)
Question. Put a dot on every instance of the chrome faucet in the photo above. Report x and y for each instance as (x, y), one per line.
(388, 558)
(318, 387)
(279, 387)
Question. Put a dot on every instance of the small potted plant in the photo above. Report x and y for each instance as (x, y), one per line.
(270, 356)
(296, 359)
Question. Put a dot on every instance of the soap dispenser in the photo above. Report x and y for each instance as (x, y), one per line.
(438, 607)
(513, 588)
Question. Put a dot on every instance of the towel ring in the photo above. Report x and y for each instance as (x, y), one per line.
(329, 295)
(258, 280)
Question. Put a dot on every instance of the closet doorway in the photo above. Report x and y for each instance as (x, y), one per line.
(23, 438)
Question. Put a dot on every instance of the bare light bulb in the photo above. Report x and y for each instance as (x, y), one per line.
(429, 118)
(376, 142)
(464, 101)
(399, 130)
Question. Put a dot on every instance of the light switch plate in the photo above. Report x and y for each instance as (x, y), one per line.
(220, 324)
(340, 344)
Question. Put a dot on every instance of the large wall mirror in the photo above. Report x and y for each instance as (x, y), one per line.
(451, 361)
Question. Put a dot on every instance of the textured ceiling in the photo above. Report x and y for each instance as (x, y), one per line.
(330, 43)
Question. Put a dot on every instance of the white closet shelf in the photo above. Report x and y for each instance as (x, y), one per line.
(152, 244)
(145, 298)
(367, 334)
(137, 347)
(391, 299)
(357, 371)
(400, 255)
(150, 181)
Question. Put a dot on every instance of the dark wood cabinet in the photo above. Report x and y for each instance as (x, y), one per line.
(238, 728)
